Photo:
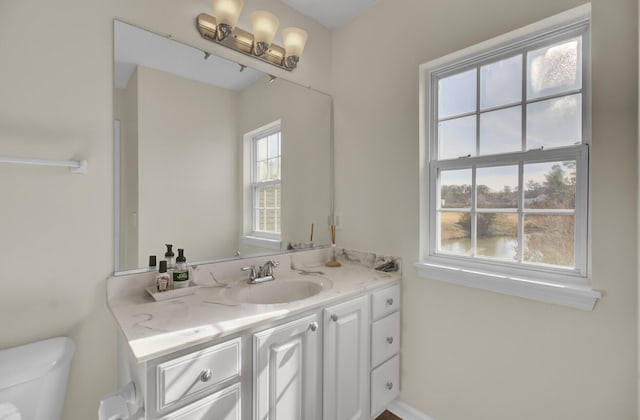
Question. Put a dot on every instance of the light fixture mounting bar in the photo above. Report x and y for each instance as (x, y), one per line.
(241, 41)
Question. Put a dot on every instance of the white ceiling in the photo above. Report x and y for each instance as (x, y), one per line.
(330, 13)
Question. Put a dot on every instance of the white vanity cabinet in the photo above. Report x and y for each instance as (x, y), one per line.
(336, 359)
(345, 370)
(286, 371)
(385, 346)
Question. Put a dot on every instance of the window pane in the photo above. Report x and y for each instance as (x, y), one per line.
(262, 169)
(501, 83)
(261, 149)
(501, 131)
(455, 232)
(554, 69)
(274, 145)
(268, 209)
(455, 189)
(260, 197)
(457, 94)
(549, 239)
(274, 168)
(554, 122)
(497, 187)
(457, 138)
(497, 235)
(550, 185)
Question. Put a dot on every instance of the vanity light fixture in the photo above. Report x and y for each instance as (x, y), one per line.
(228, 13)
(222, 30)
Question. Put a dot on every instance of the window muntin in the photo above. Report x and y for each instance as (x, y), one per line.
(508, 184)
(266, 183)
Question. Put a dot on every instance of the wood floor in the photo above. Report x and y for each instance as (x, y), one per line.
(386, 415)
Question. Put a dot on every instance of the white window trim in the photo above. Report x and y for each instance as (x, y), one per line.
(571, 289)
(252, 237)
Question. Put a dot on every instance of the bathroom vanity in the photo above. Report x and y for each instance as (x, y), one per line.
(315, 343)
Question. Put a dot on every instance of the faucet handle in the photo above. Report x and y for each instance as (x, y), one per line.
(252, 271)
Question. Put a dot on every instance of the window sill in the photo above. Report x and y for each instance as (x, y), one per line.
(270, 243)
(574, 296)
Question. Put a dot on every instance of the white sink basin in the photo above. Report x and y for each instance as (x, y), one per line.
(279, 291)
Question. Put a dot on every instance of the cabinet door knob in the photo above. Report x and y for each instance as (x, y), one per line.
(389, 301)
(206, 375)
(313, 326)
(390, 340)
(334, 317)
(389, 386)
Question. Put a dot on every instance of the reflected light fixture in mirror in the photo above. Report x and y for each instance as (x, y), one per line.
(265, 25)
(222, 30)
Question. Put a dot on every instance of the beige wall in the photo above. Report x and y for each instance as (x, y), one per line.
(56, 228)
(471, 354)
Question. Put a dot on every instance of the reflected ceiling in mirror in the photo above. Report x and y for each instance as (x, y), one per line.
(183, 125)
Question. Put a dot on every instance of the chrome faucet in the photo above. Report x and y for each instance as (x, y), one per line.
(262, 274)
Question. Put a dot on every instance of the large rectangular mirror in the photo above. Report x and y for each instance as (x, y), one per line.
(211, 156)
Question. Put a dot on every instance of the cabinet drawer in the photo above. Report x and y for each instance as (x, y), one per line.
(223, 405)
(385, 338)
(197, 372)
(385, 384)
(385, 301)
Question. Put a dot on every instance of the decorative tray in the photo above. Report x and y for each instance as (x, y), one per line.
(174, 293)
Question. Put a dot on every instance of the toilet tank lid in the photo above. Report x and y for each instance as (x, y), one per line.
(31, 361)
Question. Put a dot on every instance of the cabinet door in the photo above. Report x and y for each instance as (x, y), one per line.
(346, 377)
(286, 371)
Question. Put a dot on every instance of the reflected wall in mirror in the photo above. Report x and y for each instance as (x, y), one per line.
(184, 154)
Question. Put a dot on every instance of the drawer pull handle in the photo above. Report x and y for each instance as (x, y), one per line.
(313, 326)
(390, 340)
(334, 317)
(389, 301)
(389, 386)
(206, 375)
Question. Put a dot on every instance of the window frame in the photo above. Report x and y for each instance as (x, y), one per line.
(255, 136)
(536, 281)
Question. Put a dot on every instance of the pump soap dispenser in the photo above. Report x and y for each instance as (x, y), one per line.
(181, 272)
(169, 256)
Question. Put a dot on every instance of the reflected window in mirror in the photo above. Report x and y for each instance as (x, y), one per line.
(266, 182)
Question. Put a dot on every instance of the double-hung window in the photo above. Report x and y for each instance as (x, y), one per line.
(506, 132)
(266, 183)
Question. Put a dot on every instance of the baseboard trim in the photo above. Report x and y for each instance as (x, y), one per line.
(406, 412)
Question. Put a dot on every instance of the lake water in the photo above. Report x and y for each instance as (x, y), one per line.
(497, 246)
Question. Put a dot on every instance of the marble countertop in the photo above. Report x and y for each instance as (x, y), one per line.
(154, 329)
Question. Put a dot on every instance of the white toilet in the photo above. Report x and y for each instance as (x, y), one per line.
(33, 379)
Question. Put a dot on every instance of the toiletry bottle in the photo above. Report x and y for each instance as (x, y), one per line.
(162, 279)
(181, 272)
(169, 256)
